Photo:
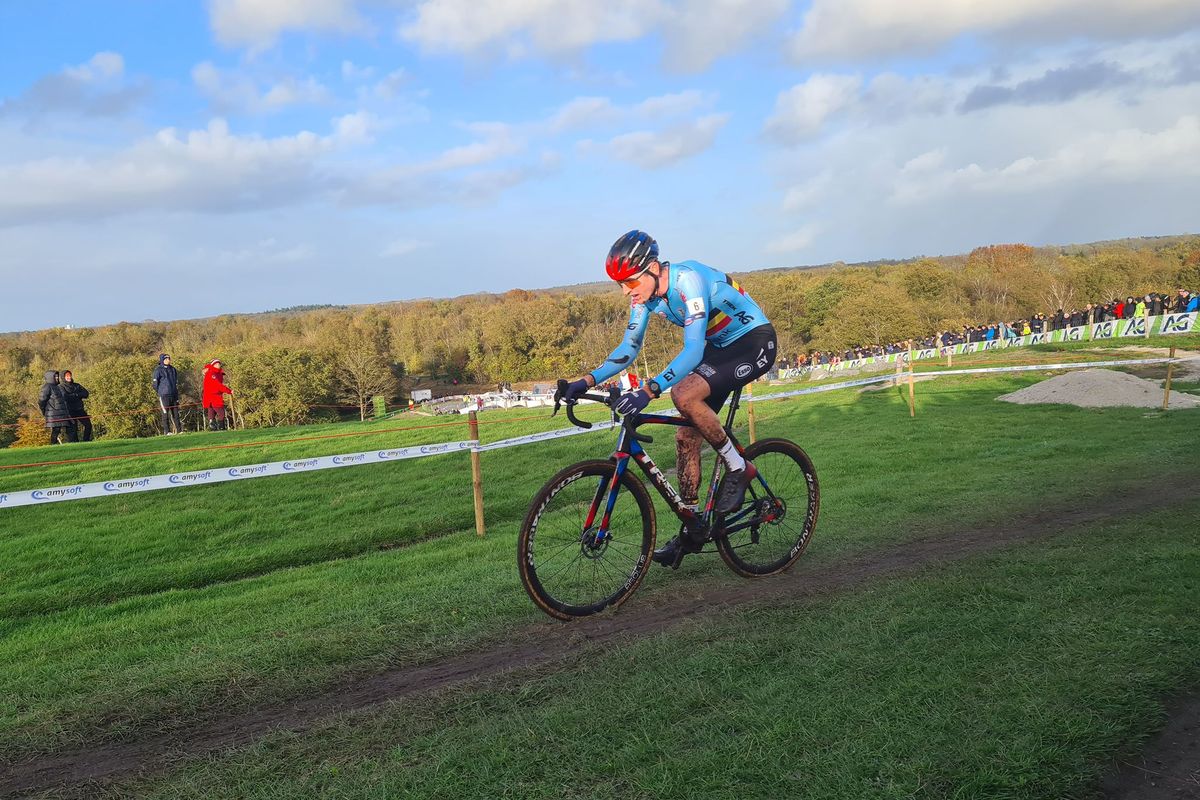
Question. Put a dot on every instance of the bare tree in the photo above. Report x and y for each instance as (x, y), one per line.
(361, 372)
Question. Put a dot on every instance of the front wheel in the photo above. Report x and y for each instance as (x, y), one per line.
(571, 568)
(777, 519)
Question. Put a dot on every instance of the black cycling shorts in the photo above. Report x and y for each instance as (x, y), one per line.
(727, 368)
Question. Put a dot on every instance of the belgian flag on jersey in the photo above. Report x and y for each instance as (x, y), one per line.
(718, 319)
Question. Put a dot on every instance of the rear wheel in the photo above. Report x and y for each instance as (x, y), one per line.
(568, 568)
(779, 514)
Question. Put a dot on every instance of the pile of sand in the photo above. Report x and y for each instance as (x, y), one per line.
(1100, 388)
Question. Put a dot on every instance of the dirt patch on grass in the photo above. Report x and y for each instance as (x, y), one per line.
(1099, 388)
(545, 644)
(1169, 767)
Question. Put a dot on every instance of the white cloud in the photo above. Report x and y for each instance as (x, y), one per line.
(231, 92)
(258, 23)
(357, 128)
(848, 29)
(216, 171)
(657, 149)
(402, 247)
(101, 67)
(210, 170)
(263, 253)
(794, 242)
(802, 111)
(695, 34)
(548, 26)
(1126, 155)
(807, 193)
(351, 72)
(589, 113)
(95, 88)
(1108, 161)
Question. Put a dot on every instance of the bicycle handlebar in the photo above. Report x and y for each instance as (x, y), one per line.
(630, 422)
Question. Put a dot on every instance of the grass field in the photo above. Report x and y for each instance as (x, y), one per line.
(1018, 674)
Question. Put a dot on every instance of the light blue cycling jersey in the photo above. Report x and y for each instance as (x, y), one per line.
(709, 305)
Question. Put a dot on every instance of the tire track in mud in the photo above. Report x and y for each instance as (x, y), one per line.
(545, 644)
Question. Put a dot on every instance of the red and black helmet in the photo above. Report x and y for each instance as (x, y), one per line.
(631, 255)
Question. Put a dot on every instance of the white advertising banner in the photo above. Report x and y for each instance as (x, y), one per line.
(1179, 323)
(178, 480)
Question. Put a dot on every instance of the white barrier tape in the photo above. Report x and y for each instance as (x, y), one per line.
(826, 388)
(177, 480)
(541, 437)
(1030, 368)
(1047, 367)
(59, 494)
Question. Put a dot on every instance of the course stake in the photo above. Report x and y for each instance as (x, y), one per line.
(912, 400)
(1167, 384)
(750, 407)
(476, 474)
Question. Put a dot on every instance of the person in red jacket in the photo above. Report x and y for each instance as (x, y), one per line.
(210, 395)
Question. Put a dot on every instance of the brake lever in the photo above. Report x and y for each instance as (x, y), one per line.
(558, 395)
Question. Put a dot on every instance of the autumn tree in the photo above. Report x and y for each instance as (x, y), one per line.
(8, 420)
(875, 318)
(282, 386)
(122, 401)
(361, 370)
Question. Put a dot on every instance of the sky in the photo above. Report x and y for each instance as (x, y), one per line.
(199, 157)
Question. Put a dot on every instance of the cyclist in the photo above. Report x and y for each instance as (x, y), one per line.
(728, 342)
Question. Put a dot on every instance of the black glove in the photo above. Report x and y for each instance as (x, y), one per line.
(633, 402)
(570, 391)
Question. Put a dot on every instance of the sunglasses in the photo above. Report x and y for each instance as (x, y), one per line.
(631, 283)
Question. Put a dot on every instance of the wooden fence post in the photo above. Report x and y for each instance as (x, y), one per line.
(1167, 385)
(476, 474)
(912, 401)
(750, 410)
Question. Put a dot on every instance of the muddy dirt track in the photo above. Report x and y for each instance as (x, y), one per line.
(542, 645)
(1169, 766)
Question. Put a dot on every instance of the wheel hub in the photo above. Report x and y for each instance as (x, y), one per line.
(590, 543)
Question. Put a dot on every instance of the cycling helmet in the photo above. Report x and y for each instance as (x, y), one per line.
(631, 255)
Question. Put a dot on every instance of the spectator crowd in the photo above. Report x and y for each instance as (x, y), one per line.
(1150, 305)
(61, 401)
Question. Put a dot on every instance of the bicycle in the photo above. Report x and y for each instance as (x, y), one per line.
(581, 550)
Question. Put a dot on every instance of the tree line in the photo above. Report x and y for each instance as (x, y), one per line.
(291, 366)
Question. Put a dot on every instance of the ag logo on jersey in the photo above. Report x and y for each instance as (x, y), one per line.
(743, 370)
(695, 306)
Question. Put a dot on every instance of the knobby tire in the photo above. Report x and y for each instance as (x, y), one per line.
(790, 473)
(565, 578)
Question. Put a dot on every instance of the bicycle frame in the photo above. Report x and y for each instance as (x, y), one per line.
(629, 447)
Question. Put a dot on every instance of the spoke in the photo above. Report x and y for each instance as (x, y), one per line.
(546, 579)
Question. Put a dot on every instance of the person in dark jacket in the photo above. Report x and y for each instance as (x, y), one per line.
(76, 394)
(166, 384)
(53, 405)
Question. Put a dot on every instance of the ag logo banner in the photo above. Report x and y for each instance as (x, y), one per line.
(1074, 334)
(1133, 327)
(1179, 323)
(1104, 330)
(1038, 338)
